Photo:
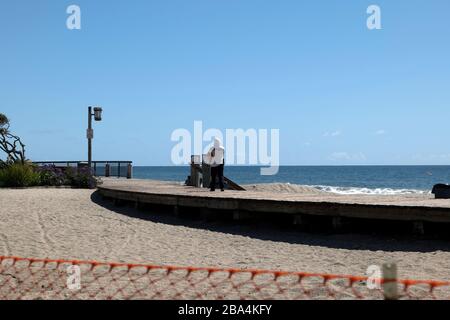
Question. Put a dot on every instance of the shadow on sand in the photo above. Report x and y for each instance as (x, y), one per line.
(371, 238)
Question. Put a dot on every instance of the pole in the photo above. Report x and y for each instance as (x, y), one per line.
(89, 136)
(390, 289)
(129, 171)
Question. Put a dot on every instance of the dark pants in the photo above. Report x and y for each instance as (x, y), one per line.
(216, 172)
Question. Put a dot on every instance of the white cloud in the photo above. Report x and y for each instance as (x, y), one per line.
(336, 133)
(345, 156)
(432, 157)
(332, 134)
(380, 132)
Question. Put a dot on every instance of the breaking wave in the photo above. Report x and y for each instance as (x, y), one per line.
(369, 191)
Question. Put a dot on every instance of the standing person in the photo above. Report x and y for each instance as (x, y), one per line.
(216, 159)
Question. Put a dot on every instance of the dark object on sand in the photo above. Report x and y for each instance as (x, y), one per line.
(201, 175)
(441, 191)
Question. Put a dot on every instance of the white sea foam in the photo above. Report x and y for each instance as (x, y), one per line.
(369, 191)
(317, 189)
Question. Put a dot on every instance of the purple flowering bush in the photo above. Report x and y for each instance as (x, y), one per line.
(28, 175)
(51, 176)
(81, 178)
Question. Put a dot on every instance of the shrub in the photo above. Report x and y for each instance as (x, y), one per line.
(83, 178)
(75, 177)
(19, 175)
(70, 176)
(51, 176)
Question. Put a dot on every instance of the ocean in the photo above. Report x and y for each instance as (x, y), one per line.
(337, 179)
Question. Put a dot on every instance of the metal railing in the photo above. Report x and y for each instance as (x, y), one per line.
(96, 167)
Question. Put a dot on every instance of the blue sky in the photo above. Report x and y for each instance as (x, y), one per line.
(338, 92)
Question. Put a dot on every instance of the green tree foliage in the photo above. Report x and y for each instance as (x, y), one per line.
(19, 175)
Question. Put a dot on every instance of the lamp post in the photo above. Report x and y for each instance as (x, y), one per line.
(90, 132)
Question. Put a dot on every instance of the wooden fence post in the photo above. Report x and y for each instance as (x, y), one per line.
(390, 290)
(129, 171)
(206, 170)
(195, 171)
(107, 170)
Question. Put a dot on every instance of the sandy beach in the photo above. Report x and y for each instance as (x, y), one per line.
(78, 224)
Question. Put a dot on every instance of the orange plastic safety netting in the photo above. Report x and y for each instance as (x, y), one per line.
(60, 279)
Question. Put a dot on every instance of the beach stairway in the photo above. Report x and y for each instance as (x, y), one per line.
(201, 175)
